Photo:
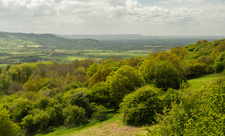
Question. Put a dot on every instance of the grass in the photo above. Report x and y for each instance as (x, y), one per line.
(114, 126)
(67, 54)
(199, 83)
(3, 65)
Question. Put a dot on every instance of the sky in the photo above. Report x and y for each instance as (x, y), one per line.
(146, 17)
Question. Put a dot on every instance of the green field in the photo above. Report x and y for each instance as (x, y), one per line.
(199, 83)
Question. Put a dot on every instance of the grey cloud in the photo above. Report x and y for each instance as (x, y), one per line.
(58, 1)
(93, 14)
(116, 3)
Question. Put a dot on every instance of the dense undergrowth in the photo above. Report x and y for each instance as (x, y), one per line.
(36, 97)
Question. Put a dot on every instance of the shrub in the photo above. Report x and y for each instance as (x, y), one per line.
(15, 87)
(56, 116)
(197, 113)
(74, 85)
(7, 127)
(219, 67)
(100, 94)
(210, 69)
(42, 103)
(73, 114)
(37, 121)
(141, 105)
(166, 76)
(79, 98)
(170, 96)
(21, 109)
(99, 76)
(98, 111)
(219, 63)
(195, 69)
(124, 81)
(72, 91)
(32, 96)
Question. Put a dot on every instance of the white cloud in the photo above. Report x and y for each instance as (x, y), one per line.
(107, 16)
(181, 1)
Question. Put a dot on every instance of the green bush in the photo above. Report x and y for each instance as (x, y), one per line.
(219, 67)
(100, 94)
(98, 111)
(197, 113)
(74, 85)
(42, 103)
(79, 98)
(141, 106)
(210, 69)
(195, 69)
(170, 96)
(73, 114)
(56, 116)
(166, 76)
(66, 96)
(219, 63)
(38, 120)
(7, 127)
(124, 81)
(21, 109)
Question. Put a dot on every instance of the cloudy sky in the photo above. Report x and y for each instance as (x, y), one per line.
(147, 17)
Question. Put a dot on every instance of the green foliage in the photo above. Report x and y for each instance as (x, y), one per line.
(219, 67)
(73, 114)
(42, 103)
(219, 49)
(171, 96)
(166, 76)
(92, 69)
(100, 76)
(5, 81)
(66, 96)
(79, 98)
(100, 94)
(219, 64)
(148, 69)
(197, 113)
(195, 69)
(74, 85)
(99, 111)
(153, 60)
(210, 69)
(35, 83)
(37, 121)
(201, 42)
(21, 109)
(141, 106)
(134, 61)
(124, 81)
(7, 127)
(180, 51)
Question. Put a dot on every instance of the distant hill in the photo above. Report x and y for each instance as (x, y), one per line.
(97, 42)
(136, 37)
(47, 40)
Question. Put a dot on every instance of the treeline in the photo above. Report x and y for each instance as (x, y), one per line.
(38, 96)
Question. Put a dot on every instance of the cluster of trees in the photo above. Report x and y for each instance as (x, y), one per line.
(199, 112)
(38, 95)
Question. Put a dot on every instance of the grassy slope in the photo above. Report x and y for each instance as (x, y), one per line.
(113, 126)
(199, 83)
